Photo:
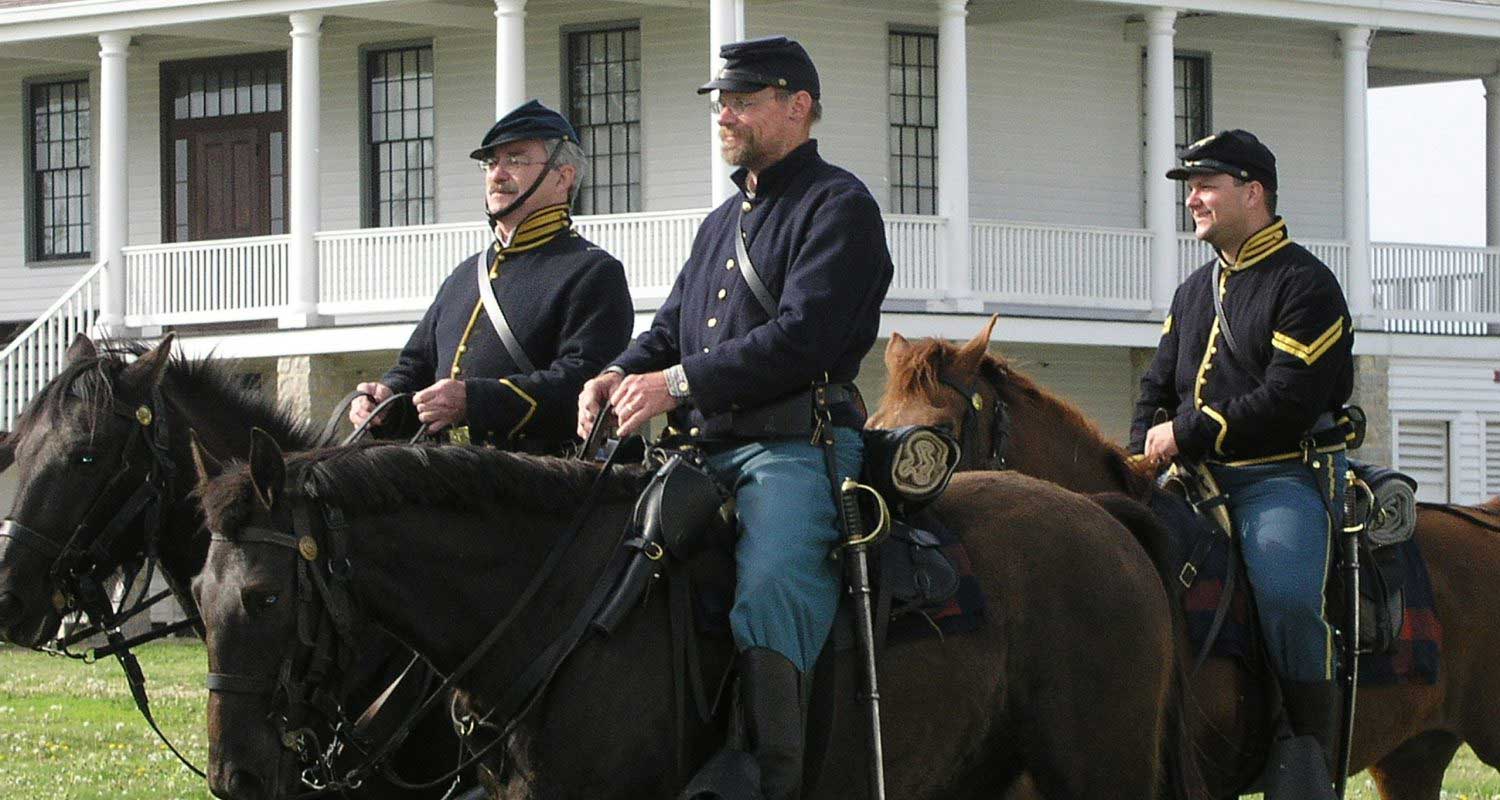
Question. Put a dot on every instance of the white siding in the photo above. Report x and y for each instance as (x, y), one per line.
(1464, 398)
(1099, 380)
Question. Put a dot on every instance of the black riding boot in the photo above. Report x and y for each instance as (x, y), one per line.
(771, 702)
(1312, 710)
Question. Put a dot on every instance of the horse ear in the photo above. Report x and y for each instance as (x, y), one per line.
(267, 468)
(896, 349)
(7, 451)
(145, 372)
(972, 353)
(204, 462)
(81, 348)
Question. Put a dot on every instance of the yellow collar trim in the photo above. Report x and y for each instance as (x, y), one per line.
(541, 227)
(1259, 246)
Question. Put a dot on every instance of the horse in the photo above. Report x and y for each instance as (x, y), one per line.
(1079, 689)
(109, 430)
(1406, 735)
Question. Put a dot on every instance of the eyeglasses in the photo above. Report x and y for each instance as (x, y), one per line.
(739, 105)
(509, 161)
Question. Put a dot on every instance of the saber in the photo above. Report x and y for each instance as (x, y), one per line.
(858, 576)
(1358, 504)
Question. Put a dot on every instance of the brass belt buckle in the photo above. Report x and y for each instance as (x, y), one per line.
(459, 434)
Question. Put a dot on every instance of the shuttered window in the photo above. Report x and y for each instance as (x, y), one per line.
(1422, 452)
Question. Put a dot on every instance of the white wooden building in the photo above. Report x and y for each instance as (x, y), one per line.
(287, 182)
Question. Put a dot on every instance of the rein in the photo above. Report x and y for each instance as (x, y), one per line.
(974, 403)
(85, 556)
(336, 602)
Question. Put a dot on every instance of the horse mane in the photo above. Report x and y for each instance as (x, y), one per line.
(382, 478)
(931, 356)
(93, 380)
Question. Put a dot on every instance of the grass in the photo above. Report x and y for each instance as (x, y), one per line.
(69, 730)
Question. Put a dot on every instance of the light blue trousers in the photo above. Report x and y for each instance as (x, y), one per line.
(787, 588)
(1286, 536)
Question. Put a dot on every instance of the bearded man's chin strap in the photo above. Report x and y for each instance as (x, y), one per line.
(495, 216)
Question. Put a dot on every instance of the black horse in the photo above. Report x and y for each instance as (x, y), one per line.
(114, 426)
(1078, 687)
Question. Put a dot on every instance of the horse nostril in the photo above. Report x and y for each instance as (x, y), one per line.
(10, 607)
(245, 785)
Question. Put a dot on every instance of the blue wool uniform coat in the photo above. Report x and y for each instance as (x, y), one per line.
(567, 303)
(1289, 318)
(817, 240)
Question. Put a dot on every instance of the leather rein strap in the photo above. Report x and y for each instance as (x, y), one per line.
(973, 404)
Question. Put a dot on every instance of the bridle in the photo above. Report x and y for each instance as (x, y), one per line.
(306, 681)
(82, 562)
(974, 404)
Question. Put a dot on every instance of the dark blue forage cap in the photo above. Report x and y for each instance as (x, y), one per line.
(1236, 153)
(530, 120)
(774, 61)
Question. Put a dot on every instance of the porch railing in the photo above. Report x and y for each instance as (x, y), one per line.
(1066, 266)
(1422, 288)
(380, 270)
(38, 353)
(188, 283)
(916, 245)
(1192, 254)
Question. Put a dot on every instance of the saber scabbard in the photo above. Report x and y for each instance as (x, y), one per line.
(858, 543)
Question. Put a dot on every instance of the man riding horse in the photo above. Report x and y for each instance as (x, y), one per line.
(1254, 364)
(516, 329)
(753, 354)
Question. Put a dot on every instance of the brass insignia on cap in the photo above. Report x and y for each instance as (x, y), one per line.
(1205, 140)
(307, 547)
(143, 415)
(781, 81)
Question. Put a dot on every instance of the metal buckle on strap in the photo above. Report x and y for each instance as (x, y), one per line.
(1188, 574)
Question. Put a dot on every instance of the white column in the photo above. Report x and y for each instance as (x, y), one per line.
(302, 162)
(1161, 143)
(726, 23)
(510, 55)
(1355, 41)
(953, 148)
(112, 220)
(1492, 160)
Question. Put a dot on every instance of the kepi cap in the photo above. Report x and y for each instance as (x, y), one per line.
(774, 61)
(1236, 153)
(530, 120)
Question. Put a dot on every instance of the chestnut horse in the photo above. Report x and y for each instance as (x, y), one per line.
(1077, 688)
(1406, 735)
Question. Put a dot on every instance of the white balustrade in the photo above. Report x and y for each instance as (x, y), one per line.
(187, 283)
(916, 245)
(1192, 254)
(1062, 266)
(382, 270)
(653, 246)
(37, 355)
(1422, 288)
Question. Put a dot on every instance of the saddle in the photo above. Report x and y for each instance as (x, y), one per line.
(1193, 510)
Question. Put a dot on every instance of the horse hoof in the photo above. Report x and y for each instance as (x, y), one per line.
(10, 607)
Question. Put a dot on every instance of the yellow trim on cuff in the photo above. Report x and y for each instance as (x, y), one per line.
(1309, 352)
(531, 412)
(1223, 428)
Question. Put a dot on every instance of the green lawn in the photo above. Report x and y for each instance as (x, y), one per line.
(69, 730)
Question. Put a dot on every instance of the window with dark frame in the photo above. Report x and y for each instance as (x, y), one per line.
(604, 105)
(914, 122)
(1190, 116)
(403, 171)
(62, 186)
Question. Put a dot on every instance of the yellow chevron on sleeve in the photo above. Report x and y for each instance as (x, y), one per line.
(1223, 428)
(531, 412)
(1166, 325)
(1309, 352)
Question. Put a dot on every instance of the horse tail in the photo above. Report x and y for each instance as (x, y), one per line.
(1148, 532)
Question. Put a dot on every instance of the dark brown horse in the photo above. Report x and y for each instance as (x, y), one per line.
(1406, 735)
(108, 426)
(1078, 688)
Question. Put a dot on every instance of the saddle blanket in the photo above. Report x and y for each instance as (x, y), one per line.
(1411, 659)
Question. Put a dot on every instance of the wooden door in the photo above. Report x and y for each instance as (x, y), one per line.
(228, 186)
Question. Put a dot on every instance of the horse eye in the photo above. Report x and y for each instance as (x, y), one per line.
(270, 600)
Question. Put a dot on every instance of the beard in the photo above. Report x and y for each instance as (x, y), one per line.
(745, 151)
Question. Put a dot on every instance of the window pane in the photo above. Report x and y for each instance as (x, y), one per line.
(59, 186)
(604, 103)
(400, 129)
